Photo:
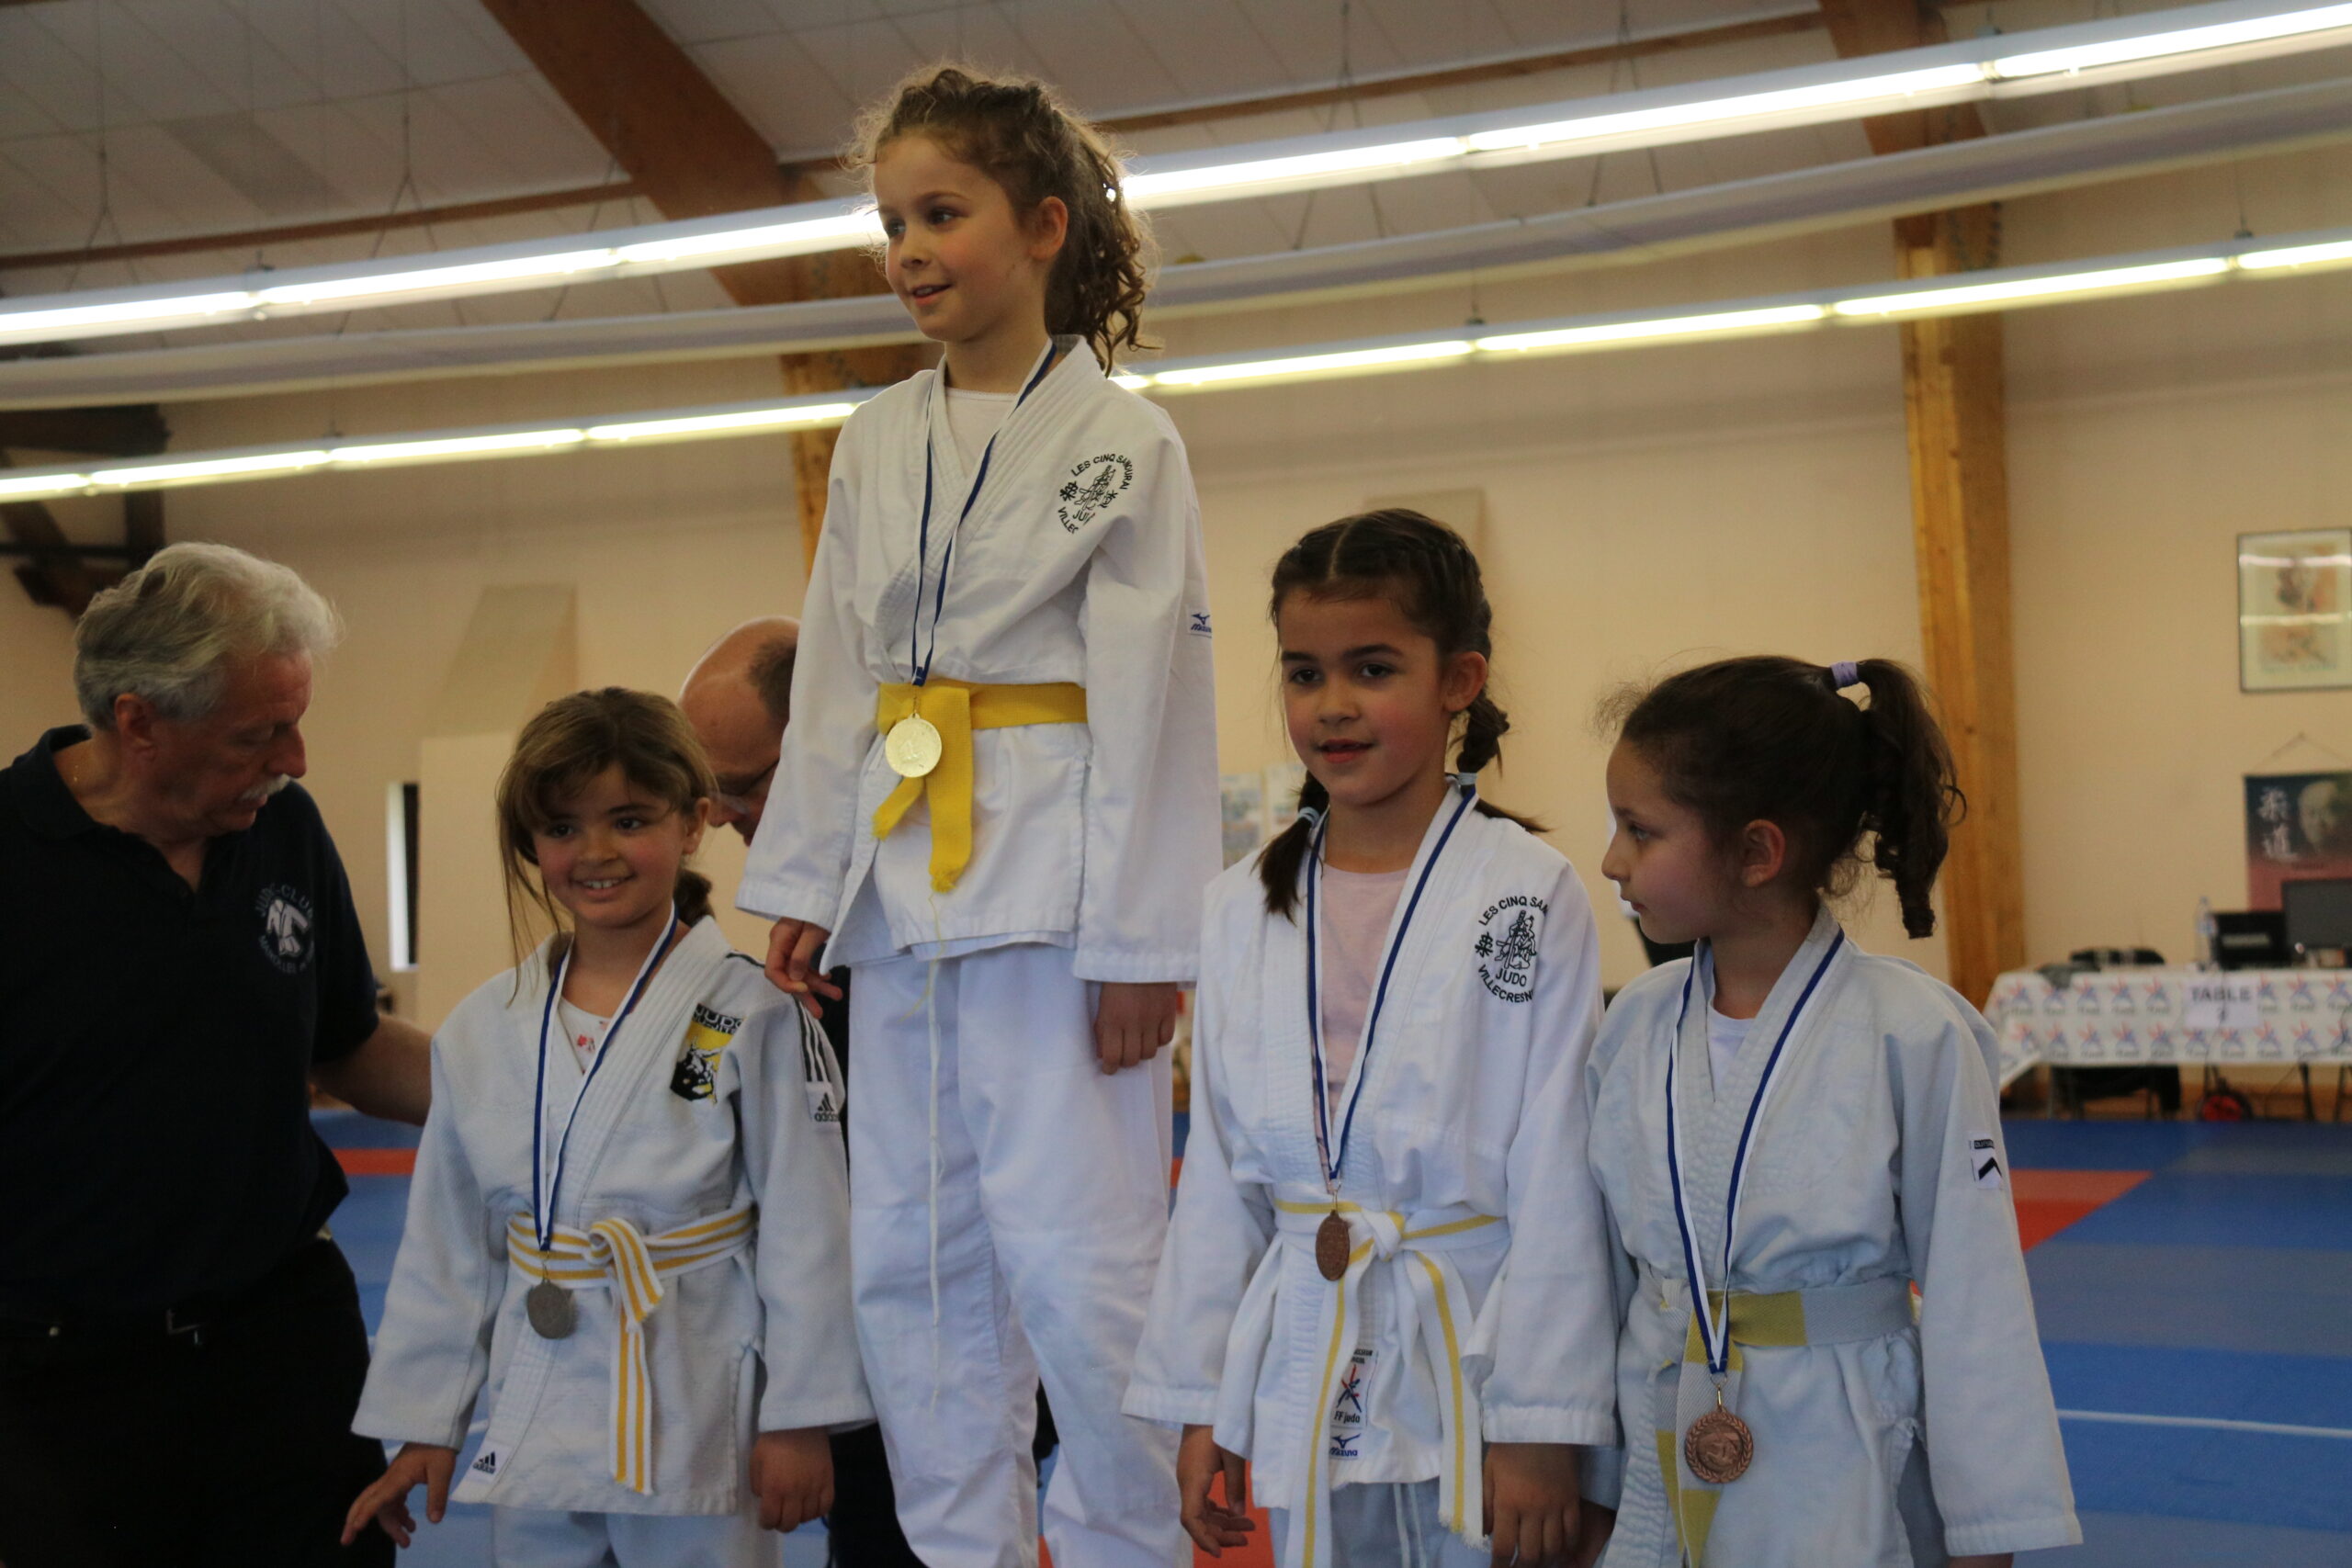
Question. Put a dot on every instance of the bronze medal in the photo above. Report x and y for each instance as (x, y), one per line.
(1331, 1247)
(912, 748)
(1718, 1448)
(549, 1306)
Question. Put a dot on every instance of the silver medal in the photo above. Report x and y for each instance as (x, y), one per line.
(912, 748)
(550, 1307)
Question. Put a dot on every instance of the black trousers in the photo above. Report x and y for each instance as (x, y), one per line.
(124, 1447)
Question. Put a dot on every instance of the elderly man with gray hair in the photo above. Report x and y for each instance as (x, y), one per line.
(181, 1346)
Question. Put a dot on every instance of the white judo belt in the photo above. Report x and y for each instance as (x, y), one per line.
(614, 1253)
(1438, 1314)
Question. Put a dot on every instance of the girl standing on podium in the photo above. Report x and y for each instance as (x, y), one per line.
(1001, 807)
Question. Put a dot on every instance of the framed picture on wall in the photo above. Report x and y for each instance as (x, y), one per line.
(2295, 610)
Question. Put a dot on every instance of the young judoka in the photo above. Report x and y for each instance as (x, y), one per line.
(1814, 1129)
(629, 1224)
(1388, 1261)
(1003, 775)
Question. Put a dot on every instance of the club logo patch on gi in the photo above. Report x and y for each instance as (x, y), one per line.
(1984, 1159)
(1508, 933)
(287, 939)
(1093, 485)
(697, 1076)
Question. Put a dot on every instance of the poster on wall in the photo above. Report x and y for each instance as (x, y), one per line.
(2297, 825)
(1258, 806)
(2295, 610)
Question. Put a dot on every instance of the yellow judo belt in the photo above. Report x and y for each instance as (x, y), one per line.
(1442, 1315)
(616, 1253)
(956, 708)
(1826, 1316)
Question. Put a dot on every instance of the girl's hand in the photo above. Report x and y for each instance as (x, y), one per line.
(791, 967)
(1198, 1463)
(386, 1503)
(793, 1474)
(1534, 1511)
(1133, 1022)
(1598, 1525)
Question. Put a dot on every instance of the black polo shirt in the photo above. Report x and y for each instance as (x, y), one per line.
(156, 1045)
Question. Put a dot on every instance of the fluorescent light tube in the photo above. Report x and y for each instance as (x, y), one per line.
(57, 319)
(1753, 106)
(211, 469)
(2033, 287)
(1169, 188)
(712, 423)
(33, 487)
(813, 233)
(456, 445)
(424, 279)
(2182, 41)
(1667, 326)
(1311, 364)
(2297, 255)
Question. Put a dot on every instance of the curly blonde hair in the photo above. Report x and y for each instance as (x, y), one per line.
(1023, 136)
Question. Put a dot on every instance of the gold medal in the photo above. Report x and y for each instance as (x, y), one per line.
(550, 1307)
(912, 748)
(1718, 1448)
(1331, 1247)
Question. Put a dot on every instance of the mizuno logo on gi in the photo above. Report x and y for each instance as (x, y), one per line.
(1508, 933)
(287, 939)
(1093, 485)
(1199, 626)
(707, 1036)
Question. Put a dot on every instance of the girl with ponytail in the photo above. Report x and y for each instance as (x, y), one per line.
(1385, 1294)
(1828, 1351)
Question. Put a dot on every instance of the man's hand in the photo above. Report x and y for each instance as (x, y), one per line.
(793, 947)
(389, 1076)
(1533, 1510)
(1133, 1022)
(1198, 1463)
(386, 1503)
(793, 1475)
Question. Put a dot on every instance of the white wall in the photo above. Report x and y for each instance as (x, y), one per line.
(1642, 508)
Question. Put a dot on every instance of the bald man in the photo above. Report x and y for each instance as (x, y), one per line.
(737, 699)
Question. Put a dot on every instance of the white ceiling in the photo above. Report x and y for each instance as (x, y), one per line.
(140, 120)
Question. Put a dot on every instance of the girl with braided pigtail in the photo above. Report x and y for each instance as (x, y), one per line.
(1828, 1351)
(1385, 1298)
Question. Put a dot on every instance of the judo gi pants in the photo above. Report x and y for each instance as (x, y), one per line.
(1385, 1523)
(545, 1538)
(124, 1447)
(1051, 1195)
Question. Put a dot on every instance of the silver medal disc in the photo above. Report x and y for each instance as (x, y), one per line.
(912, 748)
(549, 1306)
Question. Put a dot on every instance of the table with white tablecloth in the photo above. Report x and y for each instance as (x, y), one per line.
(2131, 1018)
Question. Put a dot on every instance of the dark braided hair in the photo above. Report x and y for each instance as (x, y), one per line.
(1022, 135)
(1427, 572)
(1766, 739)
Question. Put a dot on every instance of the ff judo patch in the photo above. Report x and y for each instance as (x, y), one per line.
(1348, 1407)
(286, 932)
(697, 1076)
(1093, 485)
(1984, 1159)
(1508, 933)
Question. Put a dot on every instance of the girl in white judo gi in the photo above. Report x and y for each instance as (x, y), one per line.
(1002, 808)
(1387, 1283)
(1816, 1130)
(629, 1221)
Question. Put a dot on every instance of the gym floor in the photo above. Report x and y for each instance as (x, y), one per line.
(2194, 1285)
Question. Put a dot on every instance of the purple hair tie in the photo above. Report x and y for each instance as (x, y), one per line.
(1843, 674)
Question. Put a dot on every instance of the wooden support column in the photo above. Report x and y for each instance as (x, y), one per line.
(1955, 406)
(692, 154)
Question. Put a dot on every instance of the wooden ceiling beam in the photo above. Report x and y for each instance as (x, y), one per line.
(134, 430)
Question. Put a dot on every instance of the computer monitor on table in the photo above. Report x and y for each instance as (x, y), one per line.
(2251, 938)
(2319, 913)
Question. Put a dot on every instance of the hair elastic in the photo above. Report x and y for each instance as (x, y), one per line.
(1844, 673)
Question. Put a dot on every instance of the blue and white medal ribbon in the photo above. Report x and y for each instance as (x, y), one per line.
(548, 1303)
(1331, 1239)
(1714, 1329)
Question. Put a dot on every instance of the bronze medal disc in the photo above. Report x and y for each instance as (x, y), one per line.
(1331, 1247)
(549, 1306)
(912, 748)
(1718, 1448)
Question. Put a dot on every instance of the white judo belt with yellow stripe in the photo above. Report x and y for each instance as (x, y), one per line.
(614, 1254)
(1432, 1308)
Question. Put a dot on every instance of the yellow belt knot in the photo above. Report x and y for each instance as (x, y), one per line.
(956, 708)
